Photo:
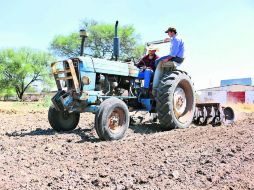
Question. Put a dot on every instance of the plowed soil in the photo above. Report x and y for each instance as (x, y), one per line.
(34, 156)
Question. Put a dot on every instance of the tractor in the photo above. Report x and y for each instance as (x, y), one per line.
(111, 88)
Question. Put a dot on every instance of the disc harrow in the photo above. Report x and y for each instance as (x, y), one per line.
(213, 113)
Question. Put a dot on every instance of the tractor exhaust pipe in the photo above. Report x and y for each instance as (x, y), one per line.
(116, 47)
(83, 34)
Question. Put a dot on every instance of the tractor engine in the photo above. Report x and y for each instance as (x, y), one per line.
(112, 85)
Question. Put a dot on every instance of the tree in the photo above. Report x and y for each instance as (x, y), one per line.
(7, 92)
(20, 68)
(100, 42)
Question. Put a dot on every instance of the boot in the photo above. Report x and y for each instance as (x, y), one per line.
(145, 93)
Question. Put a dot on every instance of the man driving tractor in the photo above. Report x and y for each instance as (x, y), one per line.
(149, 62)
(147, 66)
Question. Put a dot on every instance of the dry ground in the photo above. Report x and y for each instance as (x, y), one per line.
(33, 156)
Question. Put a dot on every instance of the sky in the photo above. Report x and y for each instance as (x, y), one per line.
(218, 34)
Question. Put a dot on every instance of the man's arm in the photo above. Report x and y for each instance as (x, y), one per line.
(173, 50)
(141, 63)
(166, 40)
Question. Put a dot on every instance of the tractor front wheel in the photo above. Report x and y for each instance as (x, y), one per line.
(62, 121)
(112, 119)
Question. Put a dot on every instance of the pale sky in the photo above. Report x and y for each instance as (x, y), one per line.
(218, 34)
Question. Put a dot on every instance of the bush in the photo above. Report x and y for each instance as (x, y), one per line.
(46, 102)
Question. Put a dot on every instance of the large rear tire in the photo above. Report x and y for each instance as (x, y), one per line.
(62, 121)
(112, 119)
(175, 101)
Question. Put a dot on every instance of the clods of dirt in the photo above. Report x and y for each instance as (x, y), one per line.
(34, 156)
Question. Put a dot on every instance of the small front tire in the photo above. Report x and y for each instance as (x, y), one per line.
(62, 121)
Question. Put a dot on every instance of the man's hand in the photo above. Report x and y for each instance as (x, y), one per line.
(167, 40)
(144, 67)
(165, 60)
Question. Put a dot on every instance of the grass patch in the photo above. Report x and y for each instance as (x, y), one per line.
(40, 105)
(45, 103)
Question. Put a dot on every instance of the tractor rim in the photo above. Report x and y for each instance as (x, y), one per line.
(183, 102)
(179, 101)
(116, 120)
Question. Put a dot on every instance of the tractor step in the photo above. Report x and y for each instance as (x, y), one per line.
(64, 78)
(62, 72)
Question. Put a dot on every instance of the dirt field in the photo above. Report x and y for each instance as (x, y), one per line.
(33, 156)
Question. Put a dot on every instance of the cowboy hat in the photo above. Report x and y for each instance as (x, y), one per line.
(152, 47)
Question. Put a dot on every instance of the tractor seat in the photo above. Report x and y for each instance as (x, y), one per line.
(171, 64)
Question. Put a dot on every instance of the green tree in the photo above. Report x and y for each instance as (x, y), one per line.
(20, 68)
(7, 92)
(99, 42)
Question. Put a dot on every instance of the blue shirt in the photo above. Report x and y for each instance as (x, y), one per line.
(176, 47)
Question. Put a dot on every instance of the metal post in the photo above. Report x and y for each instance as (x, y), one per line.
(82, 46)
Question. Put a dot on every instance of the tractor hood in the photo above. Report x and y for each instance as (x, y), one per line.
(90, 64)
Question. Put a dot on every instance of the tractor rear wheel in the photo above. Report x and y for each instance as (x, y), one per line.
(175, 101)
(62, 121)
(112, 119)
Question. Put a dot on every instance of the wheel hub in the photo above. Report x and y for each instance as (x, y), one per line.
(179, 101)
(114, 121)
(65, 115)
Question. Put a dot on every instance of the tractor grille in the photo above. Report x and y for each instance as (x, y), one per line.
(68, 72)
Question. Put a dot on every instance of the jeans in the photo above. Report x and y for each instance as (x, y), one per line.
(146, 75)
(176, 59)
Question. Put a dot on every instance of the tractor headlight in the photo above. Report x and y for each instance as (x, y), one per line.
(85, 80)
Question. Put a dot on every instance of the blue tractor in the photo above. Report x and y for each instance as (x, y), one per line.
(109, 89)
